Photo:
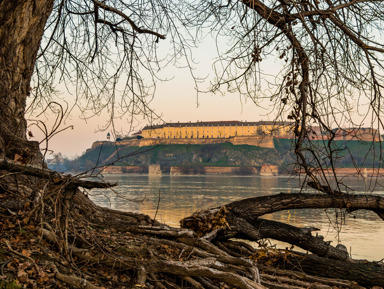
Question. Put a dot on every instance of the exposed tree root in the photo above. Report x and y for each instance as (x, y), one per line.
(58, 238)
(364, 273)
(73, 280)
(308, 278)
(241, 220)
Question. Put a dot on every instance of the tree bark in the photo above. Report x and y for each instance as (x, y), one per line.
(157, 255)
(366, 274)
(21, 28)
(240, 219)
(267, 229)
(254, 207)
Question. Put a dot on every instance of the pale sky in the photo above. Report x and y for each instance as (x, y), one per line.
(175, 100)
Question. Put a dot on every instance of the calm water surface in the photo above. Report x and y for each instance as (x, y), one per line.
(175, 197)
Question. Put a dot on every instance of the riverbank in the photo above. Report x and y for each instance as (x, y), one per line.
(171, 198)
(62, 239)
(220, 158)
(264, 170)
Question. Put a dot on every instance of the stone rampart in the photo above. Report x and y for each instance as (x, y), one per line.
(123, 170)
(269, 170)
(354, 172)
(183, 141)
(227, 170)
(260, 141)
(177, 171)
(99, 143)
(154, 170)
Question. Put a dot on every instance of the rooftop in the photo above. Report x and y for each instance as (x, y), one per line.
(217, 123)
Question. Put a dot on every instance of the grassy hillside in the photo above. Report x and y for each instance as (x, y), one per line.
(224, 154)
(346, 153)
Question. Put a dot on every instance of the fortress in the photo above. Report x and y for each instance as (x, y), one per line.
(261, 134)
(217, 130)
(213, 155)
(239, 129)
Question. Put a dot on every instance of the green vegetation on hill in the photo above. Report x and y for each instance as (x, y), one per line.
(225, 154)
(348, 154)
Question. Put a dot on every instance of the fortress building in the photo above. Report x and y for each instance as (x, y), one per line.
(261, 134)
(217, 129)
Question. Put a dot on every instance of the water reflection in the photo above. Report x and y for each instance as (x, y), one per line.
(179, 196)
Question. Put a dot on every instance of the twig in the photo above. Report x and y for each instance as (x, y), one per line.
(5, 264)
(21, 255)
(158, 206)
(67, 180)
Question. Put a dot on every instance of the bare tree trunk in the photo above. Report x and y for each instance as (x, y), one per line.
(21, 28)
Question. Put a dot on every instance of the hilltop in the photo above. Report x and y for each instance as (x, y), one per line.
(190, 156)
(136, 155)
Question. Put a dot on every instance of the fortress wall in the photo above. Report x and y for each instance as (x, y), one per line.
(97, 144)
(123, 170)
(228, 170)
(260, 141)
(171, 141)
(269, 170)
(178, 171)
(154, 170)
(345, 172)
(220, 170)
(130, 142)
(113, 170)
(363, 137)
(216, 129)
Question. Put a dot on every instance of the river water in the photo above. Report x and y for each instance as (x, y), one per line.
(171, 198)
